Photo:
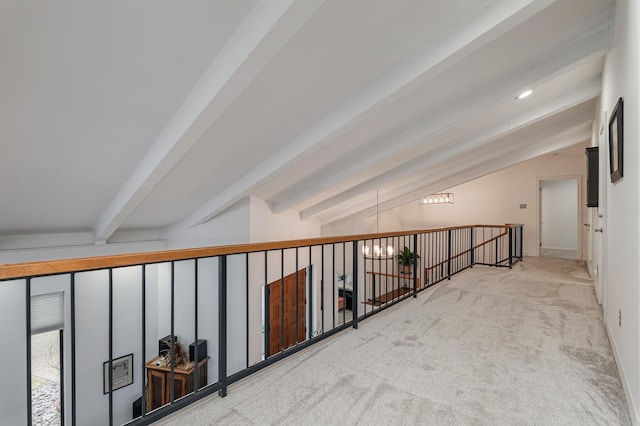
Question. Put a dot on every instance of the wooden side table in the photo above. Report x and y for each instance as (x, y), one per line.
(159, 381)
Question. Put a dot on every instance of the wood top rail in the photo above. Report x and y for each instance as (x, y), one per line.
(33, 269)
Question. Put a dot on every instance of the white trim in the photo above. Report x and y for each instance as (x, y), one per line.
(633, 409)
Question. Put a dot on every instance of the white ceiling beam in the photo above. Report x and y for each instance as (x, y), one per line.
(592, 42)
(440, 54)
(455, 173)
(453, 149)
(263, 33)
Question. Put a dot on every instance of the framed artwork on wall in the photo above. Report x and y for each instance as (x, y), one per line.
(122, 372)
(615, 142)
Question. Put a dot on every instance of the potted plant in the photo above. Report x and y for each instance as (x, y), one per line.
(406, 259)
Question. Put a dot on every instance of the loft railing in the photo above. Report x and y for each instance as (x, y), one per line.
(252, 305)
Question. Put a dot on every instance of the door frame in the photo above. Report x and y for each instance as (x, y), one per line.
(578, 179)
(601, 217)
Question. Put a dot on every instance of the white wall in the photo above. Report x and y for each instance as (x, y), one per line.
(229, 227)
(492, 199)
(266, 226)
(622, 233)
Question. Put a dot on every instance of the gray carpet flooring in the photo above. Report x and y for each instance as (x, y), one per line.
(525, 346)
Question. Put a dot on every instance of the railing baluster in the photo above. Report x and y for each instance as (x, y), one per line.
(72, 297)
(510, 247)
(196, 351)
(354, 283)
(449, 254)
(267, 307)
(310, 324)
(222, 325)
(322, 288)
(111, 346)
(28, 342)
(143, 350)
(172, 337)
(471, 254)
(246, 272)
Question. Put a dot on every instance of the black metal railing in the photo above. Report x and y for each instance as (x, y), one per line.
(247, 306)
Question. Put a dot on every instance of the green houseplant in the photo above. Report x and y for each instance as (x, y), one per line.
(406, 259)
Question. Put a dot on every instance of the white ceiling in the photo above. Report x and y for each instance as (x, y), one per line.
(120, 115)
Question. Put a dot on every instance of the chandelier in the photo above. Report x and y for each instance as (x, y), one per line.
(439, 198)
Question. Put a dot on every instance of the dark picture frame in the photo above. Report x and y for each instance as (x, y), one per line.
(122, 372)
(615, 142)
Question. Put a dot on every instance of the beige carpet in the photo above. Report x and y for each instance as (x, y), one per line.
(490, 347)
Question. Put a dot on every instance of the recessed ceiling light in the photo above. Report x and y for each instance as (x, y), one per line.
(524, 94)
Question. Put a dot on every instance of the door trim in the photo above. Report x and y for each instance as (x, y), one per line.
(578, 179)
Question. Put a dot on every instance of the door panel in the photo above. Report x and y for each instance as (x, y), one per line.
(559, 218)
(282, 316)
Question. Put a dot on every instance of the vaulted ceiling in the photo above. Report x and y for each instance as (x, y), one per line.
(119, 115)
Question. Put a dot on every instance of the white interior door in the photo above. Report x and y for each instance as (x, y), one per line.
(559, 218)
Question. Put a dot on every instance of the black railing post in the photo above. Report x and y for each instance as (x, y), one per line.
(196, 360)
(510, 247)
(267, 307)
(246, 307)
(297, 295)
(110, 346)
(471, 254)
(415, 265)
(521, 230)
(310, 309)
(72, 297)
(62, 388)
(497, 242)
(172, 337)
(449, 254)
(28, 351)
(144, 337)
(222, 325)
(354, 282)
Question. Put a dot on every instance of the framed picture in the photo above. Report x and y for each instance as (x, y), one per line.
(122, 372)
(615, 142)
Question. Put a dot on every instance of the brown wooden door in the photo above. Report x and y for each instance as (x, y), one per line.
(282, 316)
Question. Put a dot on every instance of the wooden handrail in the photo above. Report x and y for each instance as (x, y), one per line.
(33, 269)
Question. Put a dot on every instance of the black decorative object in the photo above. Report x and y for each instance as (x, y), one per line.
(202, 350)
(616, 127)
(137, 408)
(164, 345)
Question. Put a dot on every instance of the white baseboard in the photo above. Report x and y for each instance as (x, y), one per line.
(633, 409)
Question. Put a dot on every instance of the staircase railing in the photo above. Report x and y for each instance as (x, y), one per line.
(242, 307)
